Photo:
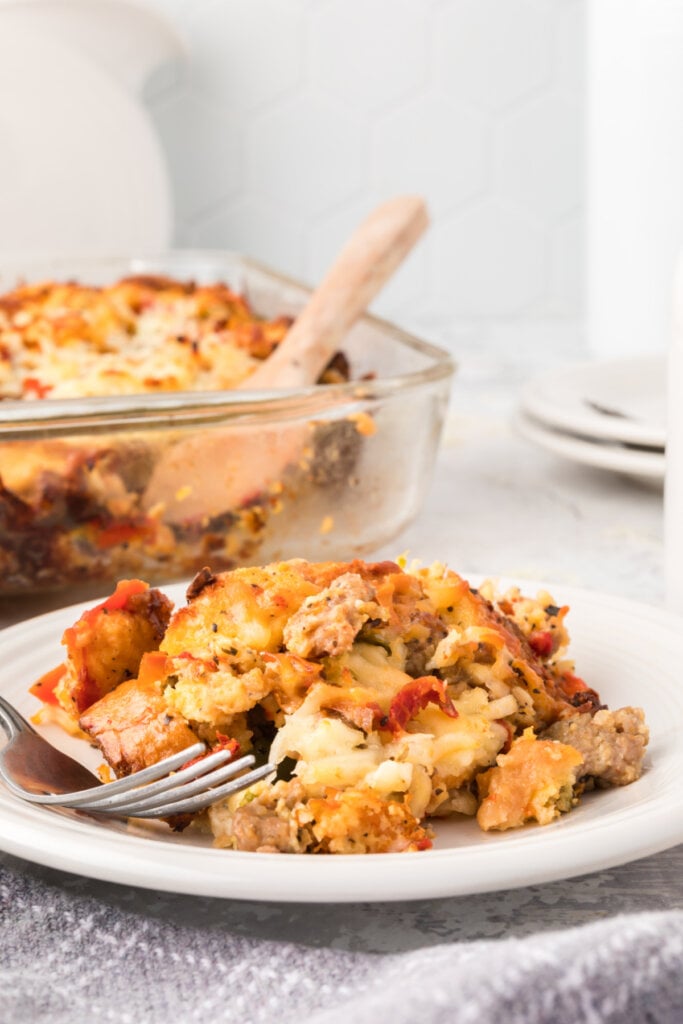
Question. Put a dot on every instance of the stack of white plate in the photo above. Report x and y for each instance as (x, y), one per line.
(611, 415)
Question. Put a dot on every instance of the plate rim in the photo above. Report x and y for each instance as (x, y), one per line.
(612, 456)
(535, 401)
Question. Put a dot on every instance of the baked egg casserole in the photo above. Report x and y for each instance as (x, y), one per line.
(386, 695)
(141, 334)
(140, 493)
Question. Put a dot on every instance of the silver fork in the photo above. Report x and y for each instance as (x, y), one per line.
(34, 770)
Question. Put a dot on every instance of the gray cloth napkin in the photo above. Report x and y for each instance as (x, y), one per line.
(67, 959)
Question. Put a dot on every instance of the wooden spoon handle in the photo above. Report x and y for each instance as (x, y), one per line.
(229, 466)
(366, 262)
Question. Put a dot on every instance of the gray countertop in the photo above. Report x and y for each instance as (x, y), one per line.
(497, 505)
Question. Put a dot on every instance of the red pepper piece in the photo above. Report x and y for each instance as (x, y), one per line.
(40, 390)
(542, 643)
(44, 688)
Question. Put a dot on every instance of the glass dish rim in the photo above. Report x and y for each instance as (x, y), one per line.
(20, 419)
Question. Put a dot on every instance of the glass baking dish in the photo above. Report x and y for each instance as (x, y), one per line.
(160, 485)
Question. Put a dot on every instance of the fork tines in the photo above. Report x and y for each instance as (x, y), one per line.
(186, 791)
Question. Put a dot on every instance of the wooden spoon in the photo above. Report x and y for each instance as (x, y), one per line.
(220, 470)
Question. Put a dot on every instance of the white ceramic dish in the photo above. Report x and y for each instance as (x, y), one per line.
(89, 179)
(629, 652)
(645, 465)
(623, 400)
(128, 38)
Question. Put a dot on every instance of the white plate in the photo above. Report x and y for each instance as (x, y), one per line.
(646, 465)
(629, 652)
(621, 400)
(81, 169)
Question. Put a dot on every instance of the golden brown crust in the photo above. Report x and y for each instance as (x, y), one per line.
(105, 646)
(134, 728)
(143, 333)
(533, 782)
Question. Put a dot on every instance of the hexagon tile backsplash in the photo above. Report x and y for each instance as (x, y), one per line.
(294, 117)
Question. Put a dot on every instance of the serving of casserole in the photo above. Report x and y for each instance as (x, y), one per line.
(387, 696)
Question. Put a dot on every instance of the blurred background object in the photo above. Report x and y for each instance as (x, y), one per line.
(272, 127)
(296, 118)
(635, 170)
(82, 168)
(127, 38)
(282, 123)
(673, 492)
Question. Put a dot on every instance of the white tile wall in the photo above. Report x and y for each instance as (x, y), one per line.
(294, 117)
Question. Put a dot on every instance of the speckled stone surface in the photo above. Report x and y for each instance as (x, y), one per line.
(497, 506)
(650, 884)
